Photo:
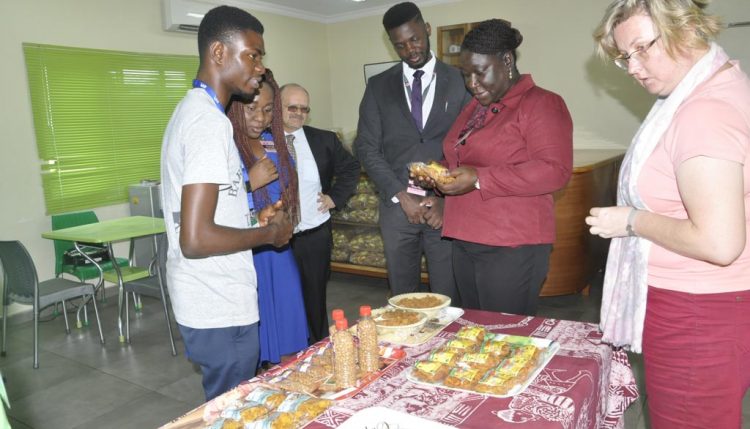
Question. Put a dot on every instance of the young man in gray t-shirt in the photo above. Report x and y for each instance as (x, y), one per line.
(210, 271)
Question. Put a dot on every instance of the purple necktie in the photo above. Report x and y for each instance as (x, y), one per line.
(416, 99)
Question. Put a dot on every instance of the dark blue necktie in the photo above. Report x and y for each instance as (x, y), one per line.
(416, 99)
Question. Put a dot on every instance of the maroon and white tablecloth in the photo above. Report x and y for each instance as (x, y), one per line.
(586, 384)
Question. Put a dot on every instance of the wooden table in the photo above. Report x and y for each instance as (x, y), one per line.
(106, 233)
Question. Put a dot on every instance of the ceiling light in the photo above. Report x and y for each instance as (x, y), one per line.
(358, 1)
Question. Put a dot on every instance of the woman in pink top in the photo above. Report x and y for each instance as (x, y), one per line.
(677, 282)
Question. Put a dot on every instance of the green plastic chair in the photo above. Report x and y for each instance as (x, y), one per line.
(82, 273)
(22, 285)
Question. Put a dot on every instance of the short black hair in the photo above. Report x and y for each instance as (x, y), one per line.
(400, 14)
(223, 22)
(494, 36)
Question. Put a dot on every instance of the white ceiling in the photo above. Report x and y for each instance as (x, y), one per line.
(325, 11)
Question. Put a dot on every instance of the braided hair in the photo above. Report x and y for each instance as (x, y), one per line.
(287, 172)
(492, 37)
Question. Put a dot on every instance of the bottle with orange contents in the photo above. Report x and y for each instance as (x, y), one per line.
(369, 356)
(336, 314)
(344, 365)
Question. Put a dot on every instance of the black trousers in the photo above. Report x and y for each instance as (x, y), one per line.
(502, 279)
(312, 251)
(404, 244)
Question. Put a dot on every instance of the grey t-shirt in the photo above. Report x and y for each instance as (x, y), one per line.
(218, 291)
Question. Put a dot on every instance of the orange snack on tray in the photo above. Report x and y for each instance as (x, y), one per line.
(511, 367)
(275, 420)
(481, 361)
(463, 378)
(430, 371)
(496, 384)
(447, 356)
(461, 345)
(528, 353)
(271, 398)
(472, 333)
(500, 348)
(434, 170)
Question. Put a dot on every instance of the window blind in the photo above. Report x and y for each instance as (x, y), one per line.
(99, 118)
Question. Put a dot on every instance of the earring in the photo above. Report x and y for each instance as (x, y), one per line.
(510, 74)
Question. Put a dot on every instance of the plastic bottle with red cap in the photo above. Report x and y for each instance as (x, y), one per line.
(367, 332)
(344, 365)
(336, 314)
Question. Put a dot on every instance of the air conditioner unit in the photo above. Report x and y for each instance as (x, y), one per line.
(183, 15)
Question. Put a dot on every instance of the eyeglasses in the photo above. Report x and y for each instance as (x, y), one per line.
(622, 61)
(296, 109)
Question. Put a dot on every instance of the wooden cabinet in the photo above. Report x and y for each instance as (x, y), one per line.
(449, 38)
(576, 255)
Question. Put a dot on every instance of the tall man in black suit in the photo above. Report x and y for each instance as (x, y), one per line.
(404, 116)
(320, 159)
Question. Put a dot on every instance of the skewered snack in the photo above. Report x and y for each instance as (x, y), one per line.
(433, 170)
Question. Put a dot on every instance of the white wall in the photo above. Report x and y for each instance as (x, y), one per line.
(132, 25)
(327, 59)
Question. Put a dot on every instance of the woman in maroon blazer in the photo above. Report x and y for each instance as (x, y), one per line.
(509, 150)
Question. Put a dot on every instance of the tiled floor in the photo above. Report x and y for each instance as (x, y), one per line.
(81, 384)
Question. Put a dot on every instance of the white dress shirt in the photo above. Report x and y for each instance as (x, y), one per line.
(309, 184)
(428, 83)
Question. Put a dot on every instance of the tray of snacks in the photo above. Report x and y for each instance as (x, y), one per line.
(253, 405)
(478, 361)
(312, 372)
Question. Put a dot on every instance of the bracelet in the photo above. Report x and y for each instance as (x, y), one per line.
(629, 226)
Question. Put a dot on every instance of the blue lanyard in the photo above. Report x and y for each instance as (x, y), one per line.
(197, 83)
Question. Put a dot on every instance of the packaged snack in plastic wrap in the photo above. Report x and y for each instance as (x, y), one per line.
(430, 371)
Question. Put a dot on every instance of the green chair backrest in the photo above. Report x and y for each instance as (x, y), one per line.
(68, 220)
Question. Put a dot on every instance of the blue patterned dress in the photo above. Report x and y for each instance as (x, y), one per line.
(283, 323)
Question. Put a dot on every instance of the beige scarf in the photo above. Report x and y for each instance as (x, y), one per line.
(625, 281)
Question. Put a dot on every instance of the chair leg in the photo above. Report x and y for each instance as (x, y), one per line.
(65, 316)
(98, 322)
(165, 304)
(36, 334)
(127, 318)
(5, 320)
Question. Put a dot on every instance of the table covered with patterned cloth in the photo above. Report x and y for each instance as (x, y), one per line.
(585, 385)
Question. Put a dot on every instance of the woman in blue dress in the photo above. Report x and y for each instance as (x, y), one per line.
(272, 179)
